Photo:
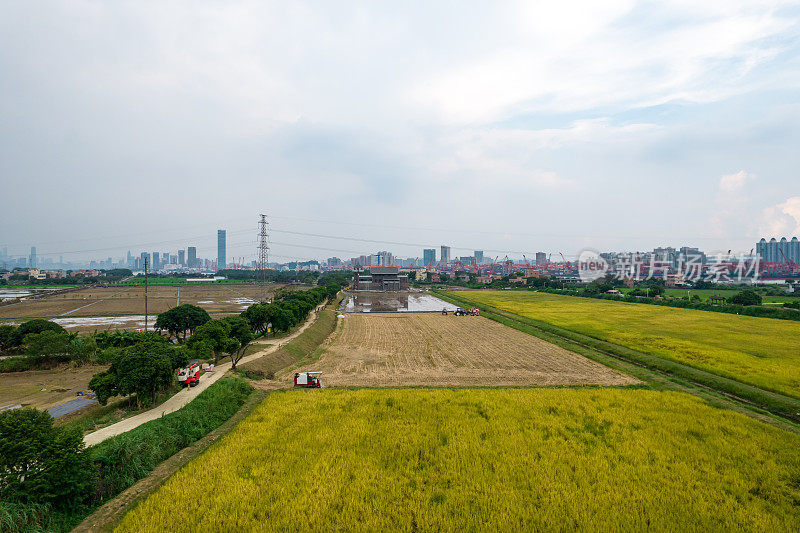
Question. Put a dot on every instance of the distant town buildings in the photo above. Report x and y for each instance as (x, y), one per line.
(428, 256)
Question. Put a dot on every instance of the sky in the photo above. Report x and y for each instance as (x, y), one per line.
(511, 127)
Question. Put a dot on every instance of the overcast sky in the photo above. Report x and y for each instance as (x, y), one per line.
(512, 127)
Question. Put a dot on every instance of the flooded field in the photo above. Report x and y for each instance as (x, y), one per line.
(394, 302)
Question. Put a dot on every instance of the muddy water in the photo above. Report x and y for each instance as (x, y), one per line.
(394, 302)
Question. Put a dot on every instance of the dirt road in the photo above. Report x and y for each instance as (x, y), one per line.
(187, 395)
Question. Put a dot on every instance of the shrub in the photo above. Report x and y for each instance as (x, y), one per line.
(746, 297)
(41, 463)
(36, 325)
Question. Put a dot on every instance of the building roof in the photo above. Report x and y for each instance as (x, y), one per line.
(384, 270)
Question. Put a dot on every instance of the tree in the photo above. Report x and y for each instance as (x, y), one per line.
(746, 297)
(239, 330)
(143, 369)
(258, 316)
(36, 325)
(40, 463)
(214, 336)
(47, 344)
(7, 337)
(178, 320)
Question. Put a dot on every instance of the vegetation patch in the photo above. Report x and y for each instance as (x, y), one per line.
(101, 472)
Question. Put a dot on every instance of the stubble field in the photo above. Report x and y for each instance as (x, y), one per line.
(487, 459)
(429, 349)
(759, 351)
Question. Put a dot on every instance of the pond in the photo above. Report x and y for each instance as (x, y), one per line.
(394, 302)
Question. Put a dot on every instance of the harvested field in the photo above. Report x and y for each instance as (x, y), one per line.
(129, 300)
(434, 350)
(44, 389)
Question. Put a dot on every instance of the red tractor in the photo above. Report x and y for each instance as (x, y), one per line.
(308, 380)
(189, 376)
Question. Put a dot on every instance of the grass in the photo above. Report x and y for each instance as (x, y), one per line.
(756, 351)
(488, 459)
(302, 349)
(128, 457)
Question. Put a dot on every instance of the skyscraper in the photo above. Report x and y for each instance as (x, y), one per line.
(428, 256)
(445, 254)
(182, 257)
(32, 262)
(220, 249)
(479, 256)
(156, 263)
(541, 258)
(192, 260)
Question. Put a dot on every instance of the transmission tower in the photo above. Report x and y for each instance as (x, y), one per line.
(263, 256)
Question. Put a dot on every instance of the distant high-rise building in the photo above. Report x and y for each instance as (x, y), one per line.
(156, 262)
(129, 260)
(479, 256)
(776, 251)
(145, 257)
(32, 261)
(221, 249)
(445, 256)
(385, 259)
(192, 259)
(428, 256)
(182, 257)
(541, 258)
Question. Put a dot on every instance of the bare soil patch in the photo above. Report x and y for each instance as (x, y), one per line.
(60, 384)
(408, 349)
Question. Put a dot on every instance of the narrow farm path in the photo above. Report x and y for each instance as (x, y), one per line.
(187, 395)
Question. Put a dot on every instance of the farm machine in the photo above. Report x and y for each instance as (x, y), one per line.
(189, 376)
(308, 380)
(467, 312)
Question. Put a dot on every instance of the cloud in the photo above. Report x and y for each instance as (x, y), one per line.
(731, 204)
(579, 57)
(730, 185)
(782, 220)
